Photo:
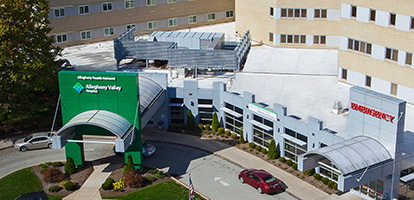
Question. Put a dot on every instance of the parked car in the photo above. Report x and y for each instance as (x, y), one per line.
(34, 141)
(147, 149)
(33, 196)
(261, 180)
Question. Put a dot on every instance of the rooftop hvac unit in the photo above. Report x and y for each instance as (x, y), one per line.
(337, 108)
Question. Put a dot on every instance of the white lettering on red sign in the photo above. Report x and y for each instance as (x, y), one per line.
(372, 112)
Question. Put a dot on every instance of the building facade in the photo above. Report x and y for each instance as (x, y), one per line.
(373, 38)
(79, 22)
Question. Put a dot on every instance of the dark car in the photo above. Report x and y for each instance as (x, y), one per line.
(260, 179)
(33, 196)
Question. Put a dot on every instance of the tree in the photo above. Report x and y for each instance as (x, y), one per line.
(215, 124)
(28, 78)
(70, 167)
(272, 153)
(190, 121)
(128, 166)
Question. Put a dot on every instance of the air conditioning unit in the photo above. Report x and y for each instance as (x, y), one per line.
(337, 108)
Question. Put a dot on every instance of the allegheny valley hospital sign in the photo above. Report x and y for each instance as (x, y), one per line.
(94, 88)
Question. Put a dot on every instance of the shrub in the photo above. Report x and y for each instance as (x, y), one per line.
(152, 171)
(57, 164)
(335, 186)
(289, 162)
(108, 184)
(215, 123)
(70, 167)
(272, 153)
(53, 175)
(54, 188)
(43, 165)
(330, 184)
(210, 136)
(252, 145)
(317, 176)
(201, 126)
(119, 185)
(181, 125)
(160, 175)
(207, 127)
(150, 178)
(234, 136)
(309, 172)
(264, 151)
(282, 159)
(173, 125)
(325, 180)
(70, 186)
(295, 166)
(48, 163)
(133, 179)
(227, 132)
(62, 183)
(190, 121)
(258, 148)
(241, 139)
(128, 166)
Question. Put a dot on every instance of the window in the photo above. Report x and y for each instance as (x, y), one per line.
(297, 39)
(394, 89)
(356, 45)
(353, 11)
(83, 10)
(319, 39)
(271, 11)
(192, 19)
(61, 38)
(151, 2)
(412, 23)
(409, 58)
(392, 19)
(270, 37)
(344, 74)
(152, 25)
(211, 16)
(229, 14)
(293, 13)
(368, 81)
(391, 54)
(320, 13)
(108, 31)
(372, 15)
(129, 26)
(107, 6)
(172, 22)
(86, 35)
(171, 1)
(60, 12)
(129, 4)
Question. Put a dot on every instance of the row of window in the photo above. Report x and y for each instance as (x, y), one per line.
(368, 82)
(360, 46)
(299, 13)
(298, 39)
(392, 54)
(372, 16)
(107, 6)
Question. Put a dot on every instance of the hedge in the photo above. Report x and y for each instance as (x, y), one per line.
(258, 148)
(289, 162)
(295, 166)
(54, 188)
(252, 145)
(108, 184)
(325, 180)
(282, 159)
(317, 176)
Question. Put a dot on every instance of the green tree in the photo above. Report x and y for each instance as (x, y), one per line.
(28, 78)
(70, 167)
(215, 124)
(272, 153)
(190, 121)
(128, 166)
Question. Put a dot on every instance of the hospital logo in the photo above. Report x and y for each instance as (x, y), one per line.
(78, 87)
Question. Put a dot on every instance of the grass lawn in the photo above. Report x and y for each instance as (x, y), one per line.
(164, 190)
(17, 183)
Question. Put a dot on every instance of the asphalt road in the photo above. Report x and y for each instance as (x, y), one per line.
(212, 176)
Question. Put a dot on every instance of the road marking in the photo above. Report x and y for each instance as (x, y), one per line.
(217, 178)
(89, 150)
(224, 183)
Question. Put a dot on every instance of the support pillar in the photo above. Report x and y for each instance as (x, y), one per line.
(135, 150)
(76, 150)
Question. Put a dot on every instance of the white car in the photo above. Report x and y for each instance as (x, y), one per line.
(34, 141)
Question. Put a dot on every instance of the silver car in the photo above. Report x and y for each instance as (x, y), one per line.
(34, 141)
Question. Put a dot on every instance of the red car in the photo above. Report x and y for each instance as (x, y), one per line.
(260, 179)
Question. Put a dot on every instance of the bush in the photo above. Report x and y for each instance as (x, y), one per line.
(258, 148)
(252, 145)
(53, 175)
(70, 167)
(48, 163)
(234, 136)
(215, 123)
(225, 132)
(70, 186)
(190, 121)
(317, 176)
(54, 188)
(160, 175)
(289, 162)
(201, 126)
(119, 185)
(150, 178)
(128, 166)
(62, 183)
(264, 151)
(108, 184)
(282, 159)
(335, 186)
(133, 179)
(241, 139)
(173, 125)
(295, 166)
(57, 164)
(325, 180)
(207, 127)
(331, 184)
(43, 166)
(152, 171)
(309, 172)
(272, 153)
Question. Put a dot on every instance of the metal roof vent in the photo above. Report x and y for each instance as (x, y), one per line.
(337, 108)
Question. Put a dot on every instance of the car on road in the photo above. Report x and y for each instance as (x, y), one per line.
(34, 141)
(147, 149)
(261, 180)
(40, 195)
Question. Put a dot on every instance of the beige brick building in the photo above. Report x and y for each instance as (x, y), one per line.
(374, 38)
